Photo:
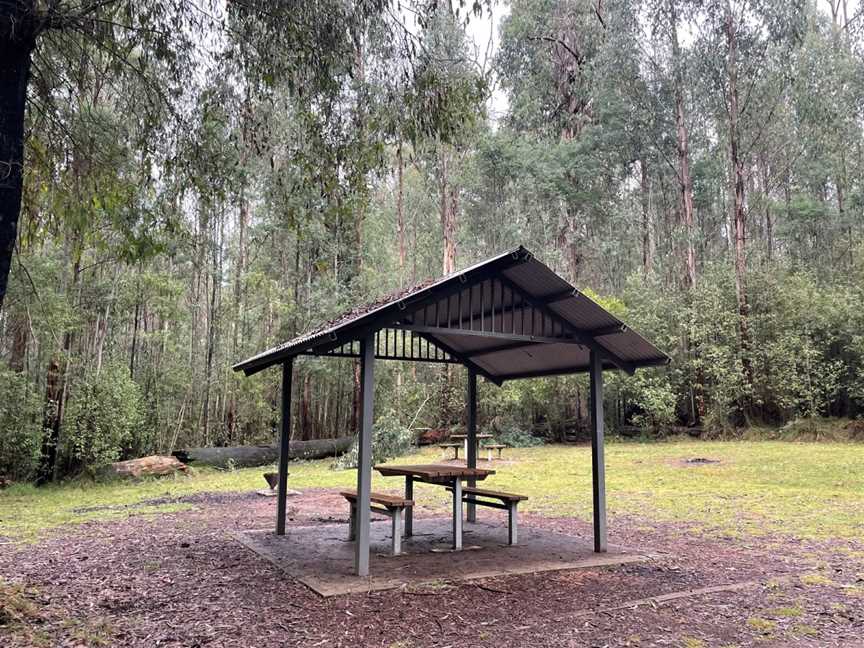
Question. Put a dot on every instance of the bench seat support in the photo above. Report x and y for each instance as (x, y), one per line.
(505, 502)
(394, 512)
(454, 446)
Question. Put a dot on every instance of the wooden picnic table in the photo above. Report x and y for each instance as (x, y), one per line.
(461, 437)
(450, 476)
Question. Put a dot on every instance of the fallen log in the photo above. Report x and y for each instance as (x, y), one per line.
(148, 466)
(249, 456)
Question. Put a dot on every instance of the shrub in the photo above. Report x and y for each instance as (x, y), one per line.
(103, 420)
(20, 426)
(390, 438)
(654, 398)
(509, 434)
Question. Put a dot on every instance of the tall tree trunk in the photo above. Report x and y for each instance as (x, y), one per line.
(306, 425)
(738, 198)
(20, 329)
(55, 397)
(51, 416)
(400, 229)
(645, 196)
(448, 205)
(134, 349)
(769, 216)
(237, 314)
(400, 212)
(17, 40)
(682, 138)
(212, 322)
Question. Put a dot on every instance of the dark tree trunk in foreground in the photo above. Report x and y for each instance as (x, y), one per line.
(17, 39)
(52, 417)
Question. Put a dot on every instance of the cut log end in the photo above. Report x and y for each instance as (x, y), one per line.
(154, 465)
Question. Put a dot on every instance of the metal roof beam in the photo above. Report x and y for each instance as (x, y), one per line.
(545, 373)
(465, 360)
(512, 346)
(607, 330)
(579, 336)
(491, 335)
(561, 295)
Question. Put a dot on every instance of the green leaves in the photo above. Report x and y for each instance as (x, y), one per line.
(20, 426)
(104, 416)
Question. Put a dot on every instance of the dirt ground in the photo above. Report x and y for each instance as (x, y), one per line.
(180, 579)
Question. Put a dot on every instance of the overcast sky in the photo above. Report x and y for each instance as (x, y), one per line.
(484, 31)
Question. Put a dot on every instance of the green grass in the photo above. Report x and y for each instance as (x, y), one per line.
(763, 626)
(808, 490)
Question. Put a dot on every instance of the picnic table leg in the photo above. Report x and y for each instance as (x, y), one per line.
(409, 511)
(352, 523)
(512, 522)
(457, 514)
(397, 530)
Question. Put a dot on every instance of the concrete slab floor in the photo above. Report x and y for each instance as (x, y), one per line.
(322, 558)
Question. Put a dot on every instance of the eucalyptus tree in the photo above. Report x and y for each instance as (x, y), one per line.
(310, 47)
(746, 47)
(444, 114)
(565, 64)
(121, 38)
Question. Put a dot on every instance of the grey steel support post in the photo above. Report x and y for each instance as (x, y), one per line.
(282, 486)
(598, 463)
(457, 514)
(471, 438)
(364, 455)
(396, 519)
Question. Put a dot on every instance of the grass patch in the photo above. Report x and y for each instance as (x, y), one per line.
(804, 630)
(762, 626)
(16, 606)
(816, 579)
(801, 489)
(94, 633)
(786, 611)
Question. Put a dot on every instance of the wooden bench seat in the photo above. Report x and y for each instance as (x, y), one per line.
(393, 506)
(505, 501)
(500, 495)
(454, 446)
(489, 447)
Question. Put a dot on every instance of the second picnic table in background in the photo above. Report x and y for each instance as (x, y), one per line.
(464, 437)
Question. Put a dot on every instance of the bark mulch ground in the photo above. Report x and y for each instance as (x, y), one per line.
(179, 579)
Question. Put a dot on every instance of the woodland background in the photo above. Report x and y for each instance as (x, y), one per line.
(204, 182)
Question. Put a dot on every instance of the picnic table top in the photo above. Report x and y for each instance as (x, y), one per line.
(433, 471)
(465, 436)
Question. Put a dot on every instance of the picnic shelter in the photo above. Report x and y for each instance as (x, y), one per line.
(509, 317)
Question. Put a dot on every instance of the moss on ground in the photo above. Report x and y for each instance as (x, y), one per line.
(762, 626)
(807, 490)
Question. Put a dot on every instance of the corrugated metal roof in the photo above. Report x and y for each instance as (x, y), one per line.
(529, 301)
